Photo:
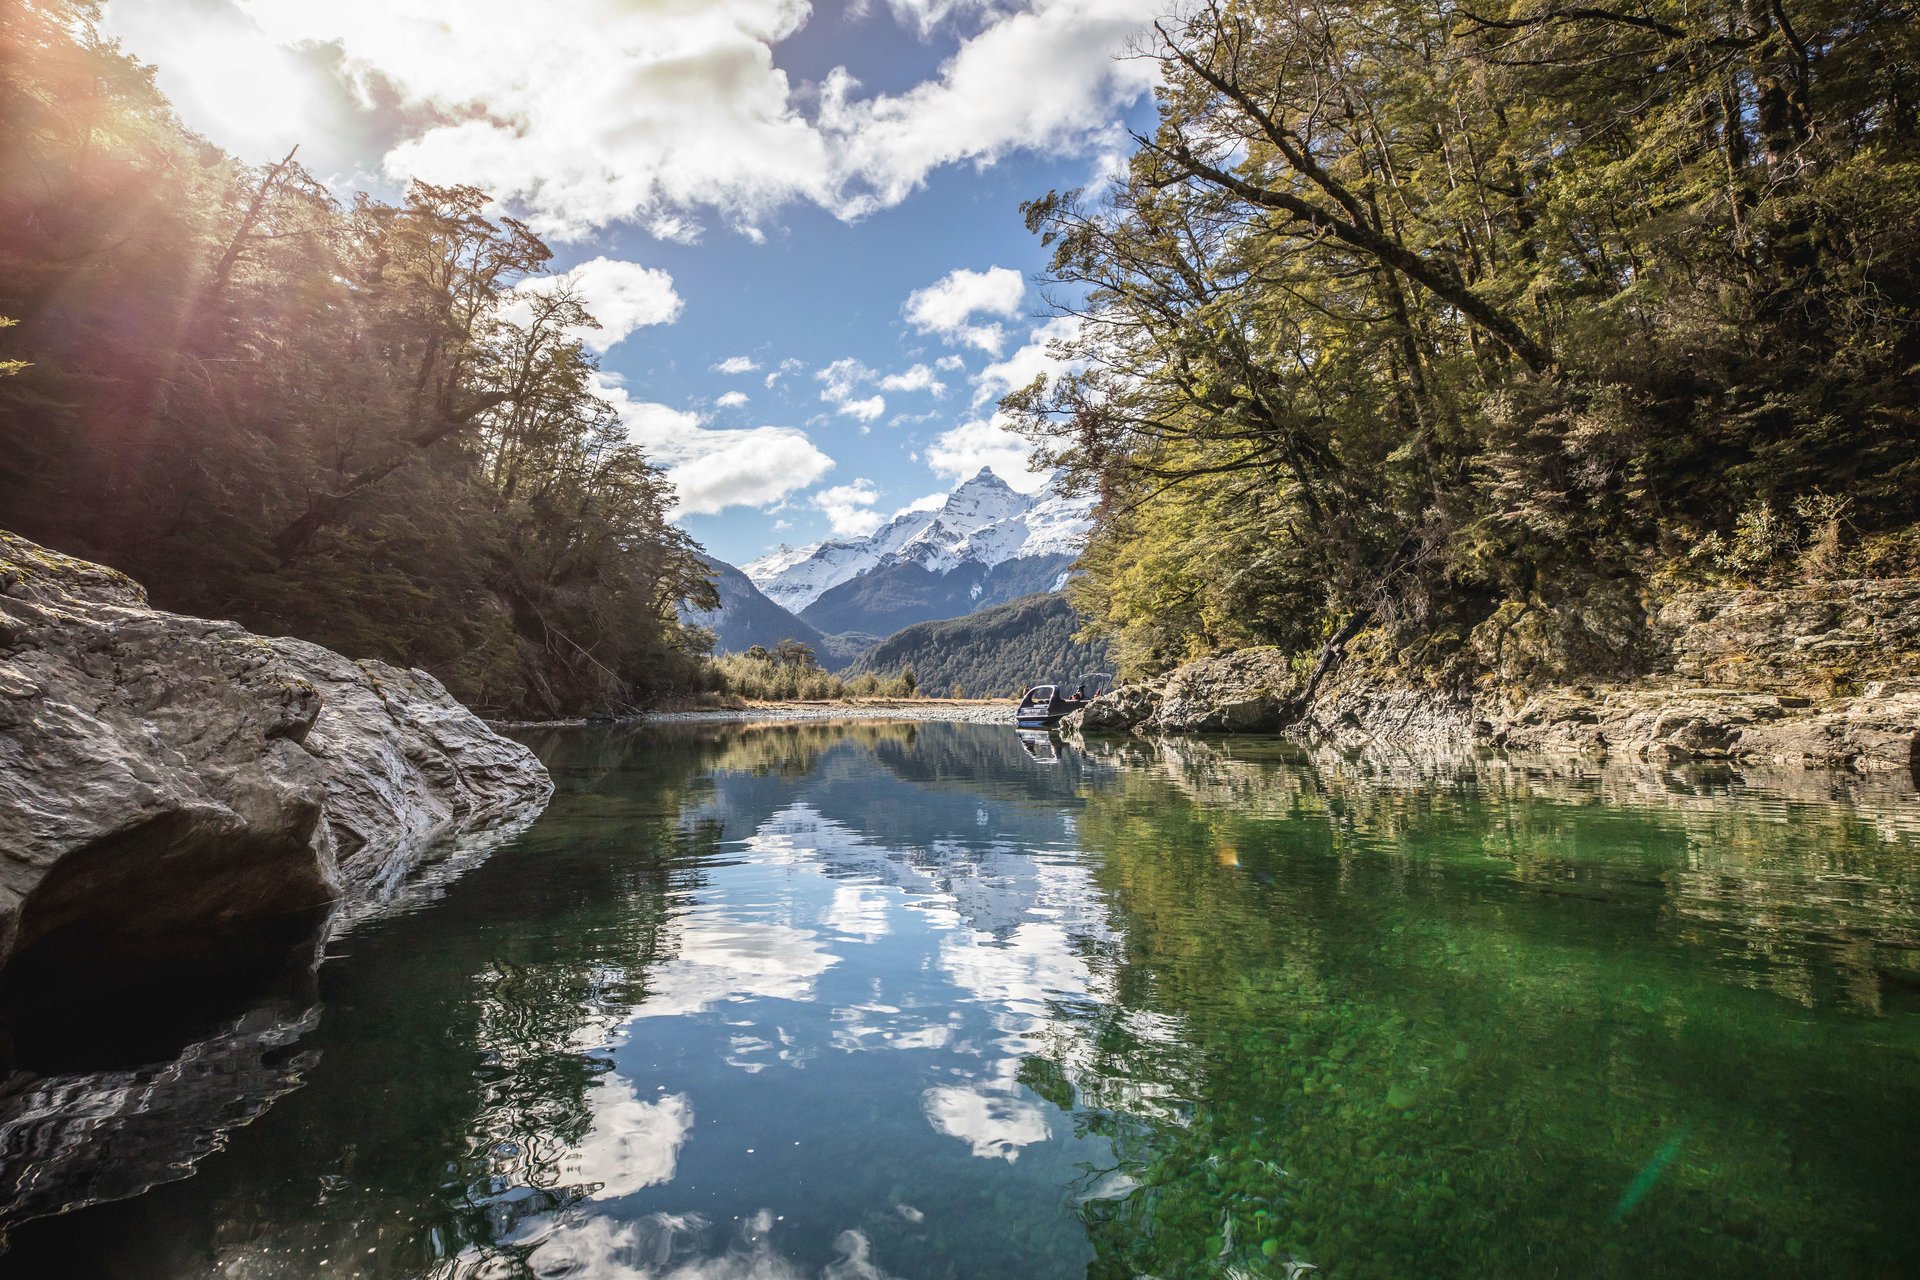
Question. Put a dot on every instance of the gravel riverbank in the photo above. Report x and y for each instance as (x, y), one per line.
(968, 712)
(971, 712)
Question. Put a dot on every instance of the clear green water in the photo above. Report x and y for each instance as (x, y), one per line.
(862, 1000)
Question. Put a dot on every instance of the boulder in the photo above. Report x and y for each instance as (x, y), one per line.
(1242, 692)
(169, 782)
(1119, 711)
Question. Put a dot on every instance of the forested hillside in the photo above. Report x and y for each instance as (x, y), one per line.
(345, 422)
(992, 652)
(1464, 330)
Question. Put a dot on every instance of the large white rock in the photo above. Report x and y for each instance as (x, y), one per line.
(164, 777)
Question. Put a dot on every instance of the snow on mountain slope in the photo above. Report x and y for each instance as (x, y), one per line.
(984, 522)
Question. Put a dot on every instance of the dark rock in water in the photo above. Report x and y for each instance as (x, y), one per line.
(187, 812)
(164, 776)
(1120, 711)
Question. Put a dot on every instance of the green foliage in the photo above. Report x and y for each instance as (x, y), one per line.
(789, 672)
(993, 652)
(345, 423)
(1467, 328)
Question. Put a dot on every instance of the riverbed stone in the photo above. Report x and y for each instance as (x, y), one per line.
(166, 777)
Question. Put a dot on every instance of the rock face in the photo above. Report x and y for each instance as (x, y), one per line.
(168, 781)
(1795, 640)
(1877, 730)
(1239, 692)
(1824, 676)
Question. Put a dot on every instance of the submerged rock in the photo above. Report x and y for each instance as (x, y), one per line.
(169, 783)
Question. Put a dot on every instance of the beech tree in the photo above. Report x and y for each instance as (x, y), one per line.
(1469, 325)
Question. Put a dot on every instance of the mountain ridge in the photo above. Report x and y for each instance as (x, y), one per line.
(746, 617)
(984, 522)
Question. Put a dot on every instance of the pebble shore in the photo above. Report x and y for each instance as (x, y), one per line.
(971, 713)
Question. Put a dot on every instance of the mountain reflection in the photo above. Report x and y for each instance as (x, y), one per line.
(893, 999)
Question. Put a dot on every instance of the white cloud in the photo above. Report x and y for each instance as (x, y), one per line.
(950, 364)
(1029, 362)
(622, 296)
(947, 307)
(849, 508)
(675, 228)
(984, 442)
(932, 502)
(656, 111)
(1044, 78)
(918, 378)
(731, 400)
(787, 366)
(736, 364)
(924, 15)
(841, 379)
(711, 469)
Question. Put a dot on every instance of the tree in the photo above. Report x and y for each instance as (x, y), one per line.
(373, 426)
(1459, 326)
(794, 653)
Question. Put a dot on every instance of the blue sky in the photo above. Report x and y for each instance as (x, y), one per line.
(829, 193)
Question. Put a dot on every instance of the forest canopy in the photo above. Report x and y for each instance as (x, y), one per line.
(1466, 329)
(347, 422)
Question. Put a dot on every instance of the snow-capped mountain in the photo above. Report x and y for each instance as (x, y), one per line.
(983, 524)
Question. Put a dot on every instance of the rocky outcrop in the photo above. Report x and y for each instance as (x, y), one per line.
(1824, 676)
(1242, 692)
(1813, 639)
(168, 781)
(1877, 730)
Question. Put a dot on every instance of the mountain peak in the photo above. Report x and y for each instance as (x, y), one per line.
(982, 523)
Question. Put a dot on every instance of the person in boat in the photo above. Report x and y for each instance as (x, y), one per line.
(1079, 695)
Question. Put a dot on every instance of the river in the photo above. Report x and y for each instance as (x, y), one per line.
(849, 1000)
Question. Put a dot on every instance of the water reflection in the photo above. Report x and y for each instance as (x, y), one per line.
(891, 999)
(101, 1104)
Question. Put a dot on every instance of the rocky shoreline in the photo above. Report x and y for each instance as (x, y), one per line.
(188, 813)
(1823, 676)
(168, 781)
